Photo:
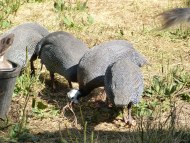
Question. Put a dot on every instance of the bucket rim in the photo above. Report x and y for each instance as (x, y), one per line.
(10, 73)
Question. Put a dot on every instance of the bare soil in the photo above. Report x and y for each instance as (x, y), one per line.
(136, 20)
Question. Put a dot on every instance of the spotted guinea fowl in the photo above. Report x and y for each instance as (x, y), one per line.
(175, 16)
(60, 52)
(124, 85)
(5, 44)
(93, 65)
(26, 37)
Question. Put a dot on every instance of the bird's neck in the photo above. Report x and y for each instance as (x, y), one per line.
(82, 93)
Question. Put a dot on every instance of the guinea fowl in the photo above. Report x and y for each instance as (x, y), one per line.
(60, 52)
(124, 85)
(26, 37)
(92, 66)
(175, 16)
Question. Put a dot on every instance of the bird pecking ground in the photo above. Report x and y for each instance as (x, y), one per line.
(159, 119)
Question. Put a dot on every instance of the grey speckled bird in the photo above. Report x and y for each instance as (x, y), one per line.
(93, 65)
(124, 85)
(60, 52)
(175, 16)
(25, 36)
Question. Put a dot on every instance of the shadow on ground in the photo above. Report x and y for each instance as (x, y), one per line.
(73, 135)
(91, 108)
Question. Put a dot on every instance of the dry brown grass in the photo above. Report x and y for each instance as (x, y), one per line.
(135, 18)
(137, 21)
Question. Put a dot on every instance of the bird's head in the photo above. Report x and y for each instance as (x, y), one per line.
(74, 95)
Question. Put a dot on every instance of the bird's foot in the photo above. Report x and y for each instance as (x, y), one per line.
(53, 88)
(129, 121)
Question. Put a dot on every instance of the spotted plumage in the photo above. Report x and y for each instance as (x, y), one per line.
(60, 52)
(124, 85)
(123, 82)
(26, 36)
(93, 65)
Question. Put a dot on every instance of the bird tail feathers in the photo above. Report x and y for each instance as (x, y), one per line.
(175, 16)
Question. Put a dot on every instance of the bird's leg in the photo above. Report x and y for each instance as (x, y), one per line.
(52, 80)
(70, 84)
(128, 120)
(124, 115)
(41, 67)
(109, 102)
(32, 59)
(32, 68)
(129, 107)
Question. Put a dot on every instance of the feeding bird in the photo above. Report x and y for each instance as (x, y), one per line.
(60, 52)
(92, 66)
(124, 85)
(26, 37)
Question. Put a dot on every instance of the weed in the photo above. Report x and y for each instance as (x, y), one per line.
(24, 86)
(81, 6)
(32, 1)
(156, 113)
(180, 34)
(73, 15)
(62, 5)
(187, 2)
(163, 90)
(74, 137)
(156, 132)
(41, 110)
(8, 7)
(68, 22)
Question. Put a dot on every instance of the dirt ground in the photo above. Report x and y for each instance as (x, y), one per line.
(137, 23)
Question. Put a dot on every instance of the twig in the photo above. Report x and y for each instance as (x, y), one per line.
(69, 105)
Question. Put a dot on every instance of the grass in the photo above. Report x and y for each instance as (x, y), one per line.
(8, 7)
(162, 115)
(73, 15)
